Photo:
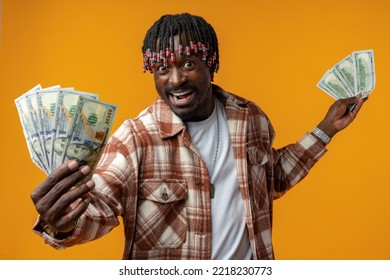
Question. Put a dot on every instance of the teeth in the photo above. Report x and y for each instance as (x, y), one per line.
(176, 97)
(180, 93)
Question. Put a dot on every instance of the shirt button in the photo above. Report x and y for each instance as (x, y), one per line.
(164, 195)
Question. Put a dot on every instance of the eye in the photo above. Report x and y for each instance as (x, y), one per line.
(188, 64)
(161, 68)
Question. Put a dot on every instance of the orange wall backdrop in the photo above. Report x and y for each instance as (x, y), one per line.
(273, 52)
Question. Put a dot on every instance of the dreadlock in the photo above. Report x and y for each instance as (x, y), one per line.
(199, 38)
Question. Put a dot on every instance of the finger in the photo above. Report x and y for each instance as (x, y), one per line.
(54, 177)
(350, 103)
(66, 184)
(43, 204)
(68, 221)
(351, 100)
(358, 106)
(64, 202)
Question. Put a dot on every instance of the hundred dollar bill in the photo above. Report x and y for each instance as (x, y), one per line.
(325, 88)
(34, 107)
(335, 85)
(30, 132)
(90, 130)
(65, 110)
(345, 70)
(47, 100)
(365, 71)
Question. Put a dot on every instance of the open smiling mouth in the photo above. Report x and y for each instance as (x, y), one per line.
(181, 98)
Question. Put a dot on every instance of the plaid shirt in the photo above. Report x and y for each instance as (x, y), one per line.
(152, 175)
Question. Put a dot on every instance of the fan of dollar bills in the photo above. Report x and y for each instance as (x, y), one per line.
(352, 75)
(60, 124)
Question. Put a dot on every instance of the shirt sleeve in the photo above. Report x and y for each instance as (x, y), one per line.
(288, 165)
(99, 219)
(293, 162)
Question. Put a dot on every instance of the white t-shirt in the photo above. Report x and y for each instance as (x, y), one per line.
(230, 239)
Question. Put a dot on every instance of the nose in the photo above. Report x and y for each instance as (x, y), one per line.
(177, 76)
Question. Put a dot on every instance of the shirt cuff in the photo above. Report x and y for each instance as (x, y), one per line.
(56, 240)
(313, 145)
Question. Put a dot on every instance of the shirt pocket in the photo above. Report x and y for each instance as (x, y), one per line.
(257, 170)
(161, 214)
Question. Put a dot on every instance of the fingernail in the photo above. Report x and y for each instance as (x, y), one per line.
(90, 184)
(72, 165)
(85, 169)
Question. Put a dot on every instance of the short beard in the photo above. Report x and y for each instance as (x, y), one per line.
(188, 116)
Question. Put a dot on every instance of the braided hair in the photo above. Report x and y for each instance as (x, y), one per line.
(199, 38)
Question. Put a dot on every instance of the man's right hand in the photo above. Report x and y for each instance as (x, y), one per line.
(57, 200)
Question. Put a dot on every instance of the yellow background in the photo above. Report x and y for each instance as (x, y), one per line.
(273, 52)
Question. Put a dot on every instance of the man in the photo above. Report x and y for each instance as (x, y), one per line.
(194, 175)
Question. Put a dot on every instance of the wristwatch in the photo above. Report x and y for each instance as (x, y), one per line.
(322, 135)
